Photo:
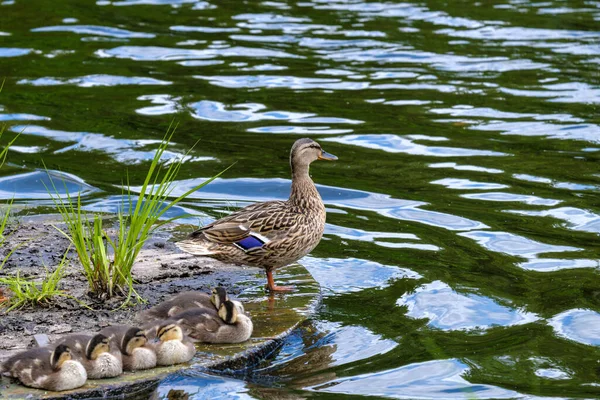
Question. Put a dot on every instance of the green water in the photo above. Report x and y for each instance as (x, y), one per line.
(460, 256)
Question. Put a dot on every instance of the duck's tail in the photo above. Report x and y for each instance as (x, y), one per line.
(195, 247)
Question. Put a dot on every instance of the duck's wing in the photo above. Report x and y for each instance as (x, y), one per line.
(269, 219)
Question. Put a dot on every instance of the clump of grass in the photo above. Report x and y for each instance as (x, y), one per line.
(35, 292)
(108, 275)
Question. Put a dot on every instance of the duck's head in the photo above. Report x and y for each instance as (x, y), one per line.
(134, 338)
(218, 296)
(228, 312)
(61, 353)
(305, 151)
(97, 345)
(170, 331)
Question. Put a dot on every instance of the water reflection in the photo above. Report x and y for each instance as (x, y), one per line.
(122, 150)
(95, 30)
(440, 379)
(351, 343)
(155, 53)
(515, 245)
(246, 112)
(336, 275)
(42, 185)
(201, 386)
(576, 218)
(467, 184)
(398, 144)
(511, 197)
(580, 325)
(93, 81)
(448, 310)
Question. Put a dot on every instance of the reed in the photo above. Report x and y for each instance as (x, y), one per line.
(108, 260)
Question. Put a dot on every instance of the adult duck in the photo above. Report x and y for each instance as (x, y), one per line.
(270, 234)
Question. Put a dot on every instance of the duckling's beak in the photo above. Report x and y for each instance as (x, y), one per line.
(327, 156)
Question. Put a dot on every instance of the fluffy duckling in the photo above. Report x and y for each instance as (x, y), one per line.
(93, 351)
(183, 301)
(173, 346)
(229, 326)
(131, 346)
(46, 368)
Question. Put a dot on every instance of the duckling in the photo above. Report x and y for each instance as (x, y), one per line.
(183, 301)
(46, 368)
(93, 351)
(229, 326)
(131, 344)
(173, 347)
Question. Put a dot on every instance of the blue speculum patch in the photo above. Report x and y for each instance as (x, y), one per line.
(249, 242)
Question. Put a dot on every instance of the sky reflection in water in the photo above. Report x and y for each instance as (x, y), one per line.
(448, 310)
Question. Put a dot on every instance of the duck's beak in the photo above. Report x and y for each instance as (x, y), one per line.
(327, 156)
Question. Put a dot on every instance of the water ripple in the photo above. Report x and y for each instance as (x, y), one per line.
(202, 4)
(203, 29)
(580, 325)
(511, 197)
(216, 111)
(555, 264)
(337, 275)
(276, 81)
(94, 80)
(352, 343)
(155, 53)
(465, 167)
(569, 92)
(398, 144)
(515, 245)
(577, 219)
(38, 185)
(467, 184)
(13, 52)
(447, 310)
(122, 150)
(167, 104)
(439, 379)
(444, 62)
(519, 33)
(299, 130)
(95, 30)
(22, 117)
(464, 110)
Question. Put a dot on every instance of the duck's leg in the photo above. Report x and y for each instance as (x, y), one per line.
(2, 297)
(274, 288)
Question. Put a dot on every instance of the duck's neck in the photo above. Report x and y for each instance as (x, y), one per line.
(304, 192)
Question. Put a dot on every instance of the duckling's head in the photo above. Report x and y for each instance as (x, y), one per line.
(61, 353)
(304, 151)
(218, 296)
(134, 338)
(228, 312)
(97, 345)
(170, 332)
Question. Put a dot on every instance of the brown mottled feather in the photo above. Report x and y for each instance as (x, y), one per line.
(293, 227)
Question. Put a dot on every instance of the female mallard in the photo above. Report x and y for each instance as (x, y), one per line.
(271, 234)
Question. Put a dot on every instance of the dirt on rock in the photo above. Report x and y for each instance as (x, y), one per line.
(161, 270)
